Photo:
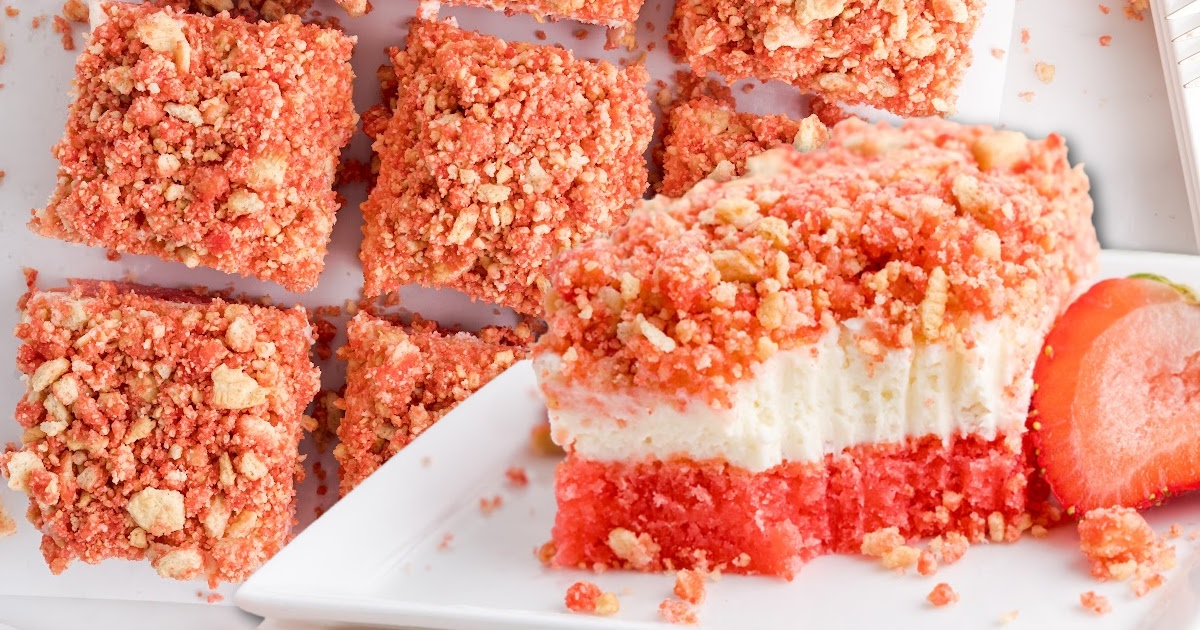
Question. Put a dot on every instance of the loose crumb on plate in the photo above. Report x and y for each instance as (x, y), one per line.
(1120, 544)
(516, 477)
(689, 586)
(950, 547)
(586, 597)
(1026, 96)
(63, 27)
(489, 505)
(998, 53)
(1044, 71)
(927, 563)
(12, 11)
(545, 553)
(8, 526)
(1105, 40)
(1104, 9)
(1009, 617)
(678, 611)
(942, 595)
(1136, 9)
(75, 11)
(1095, 603)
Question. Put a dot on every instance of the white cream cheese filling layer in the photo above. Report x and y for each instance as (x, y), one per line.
(804, 403)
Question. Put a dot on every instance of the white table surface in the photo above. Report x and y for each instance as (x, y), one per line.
(1111, 105)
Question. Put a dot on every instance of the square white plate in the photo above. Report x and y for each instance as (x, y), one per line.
(380, 556)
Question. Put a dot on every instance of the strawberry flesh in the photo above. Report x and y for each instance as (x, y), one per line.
(1115, 418)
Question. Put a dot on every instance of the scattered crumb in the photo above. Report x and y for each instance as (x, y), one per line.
(998, 53)
(1104, 9)
(1024, 36)
(586, 597)
(75, 11)
(8, 526)
(1026, 96)
(541, 442)
(949, 548)
(36, 22)
(516, 477)
(487, 506)
(214, 598)
(1008, 617)
(1175, 531)
(446, 541)
(689, 586)
(1105, 40)
(112, 255)
(927, 563)
(942, 595)
(540, 34)
(580, 34)
(546, 552)
(1144, 584)
(677, 611)
(12, 11)
(62, 27)
(1095, 603)
(748, 88)
(1044, 71)
(3, 58)
(426, 461)
(1136, 9)
(1120, 544)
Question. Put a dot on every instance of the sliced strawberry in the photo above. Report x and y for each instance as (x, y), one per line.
(1116, 411)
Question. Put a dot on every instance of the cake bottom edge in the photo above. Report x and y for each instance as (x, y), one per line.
(658, 515)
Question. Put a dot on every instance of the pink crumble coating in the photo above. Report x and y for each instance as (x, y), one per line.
(905, 56)
(499, 156)
(160, 426)
(207, 140)
(401, 380)
(707, 138)
(677, 611)
(915, 231)
(611, 13)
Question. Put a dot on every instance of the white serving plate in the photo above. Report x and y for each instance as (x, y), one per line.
(377, 557)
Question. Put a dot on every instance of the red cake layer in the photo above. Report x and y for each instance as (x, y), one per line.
(687, 514)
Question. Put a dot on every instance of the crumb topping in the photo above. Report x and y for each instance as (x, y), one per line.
(499, 156)
(905, 56)
(401, 380)
(706, 138)
(914, 232)
(127, 451)
(208, 141)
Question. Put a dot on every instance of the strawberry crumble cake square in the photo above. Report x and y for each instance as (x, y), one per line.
(159, 425)
(611, 13)
(400, 380)
(498, 157)
(904, 56)
(837, 343)
(206, 140)
(707, 138)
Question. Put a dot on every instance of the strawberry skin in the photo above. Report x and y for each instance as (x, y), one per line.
(1115, 416)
